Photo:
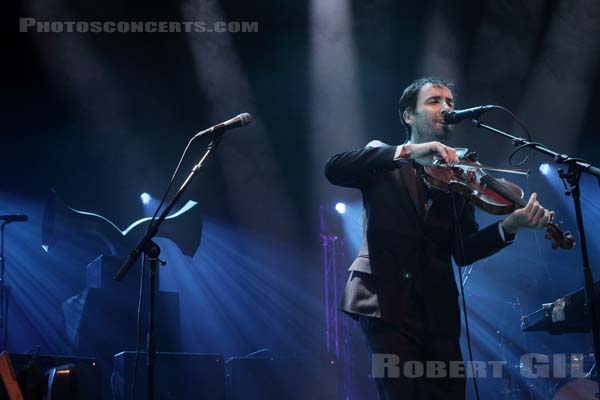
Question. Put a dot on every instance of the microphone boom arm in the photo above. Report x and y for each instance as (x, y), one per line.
(153, 229)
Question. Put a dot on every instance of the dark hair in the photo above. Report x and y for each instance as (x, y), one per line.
(408, 100)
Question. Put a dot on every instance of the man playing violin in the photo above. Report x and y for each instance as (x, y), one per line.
(401, 286)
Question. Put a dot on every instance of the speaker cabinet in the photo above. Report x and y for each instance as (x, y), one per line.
(179, 376)
(29, 368)
(282, 378)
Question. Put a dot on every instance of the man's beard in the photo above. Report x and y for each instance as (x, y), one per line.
(431, 132)
(447, 131)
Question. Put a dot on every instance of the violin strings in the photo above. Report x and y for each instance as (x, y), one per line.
(502, 190)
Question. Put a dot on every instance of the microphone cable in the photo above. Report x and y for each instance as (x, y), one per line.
(170, 186)
(142, 280)
(523, 146)
(459, 247)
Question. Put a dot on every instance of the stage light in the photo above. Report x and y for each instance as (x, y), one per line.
(145, 197)
(340, 208)
(545, 168)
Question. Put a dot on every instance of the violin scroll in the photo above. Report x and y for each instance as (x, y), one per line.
(564, 240)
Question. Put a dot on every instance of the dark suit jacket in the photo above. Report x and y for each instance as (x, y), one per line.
(403, 273)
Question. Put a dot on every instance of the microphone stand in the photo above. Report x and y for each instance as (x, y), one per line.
(576, 167)
(147, 246)
(4, 292)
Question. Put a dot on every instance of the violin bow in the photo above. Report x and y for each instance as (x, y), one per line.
(469, 165)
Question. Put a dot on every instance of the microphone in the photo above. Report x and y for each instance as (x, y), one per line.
(13, 218)
(458, 115)
(235, 122)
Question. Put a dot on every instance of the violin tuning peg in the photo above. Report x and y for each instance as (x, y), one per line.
(569, 235)
(471, 156)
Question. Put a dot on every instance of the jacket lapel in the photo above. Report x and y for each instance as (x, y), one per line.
(409, 176)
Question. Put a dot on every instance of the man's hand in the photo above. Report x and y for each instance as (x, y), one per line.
(423, 152)
(533, 215)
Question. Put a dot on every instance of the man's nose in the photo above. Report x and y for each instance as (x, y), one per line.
(445, 109)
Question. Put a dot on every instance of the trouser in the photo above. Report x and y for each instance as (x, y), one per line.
(403, 365)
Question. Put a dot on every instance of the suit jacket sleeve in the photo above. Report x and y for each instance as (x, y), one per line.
(472, 244)
(354, 168)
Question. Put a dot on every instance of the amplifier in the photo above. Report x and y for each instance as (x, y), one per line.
(87, 370)
(179, 376)
(250, 378)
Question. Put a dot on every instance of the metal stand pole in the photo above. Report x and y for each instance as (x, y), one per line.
(577, 166)
(151, 249)
(4, 290)
(573, 177)
(153, 263)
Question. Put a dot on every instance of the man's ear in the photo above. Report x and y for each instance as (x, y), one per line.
(408, 117)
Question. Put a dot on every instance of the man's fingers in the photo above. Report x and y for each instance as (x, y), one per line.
(538, 214)
(531, 202)
(449, 158)
(535, 208)
(452, 155)
(533, 215)
(441, 152)
(543, 221)
(444, 153)
(437, 148)
(448, 154)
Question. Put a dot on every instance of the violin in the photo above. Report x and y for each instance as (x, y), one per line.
(492, 195)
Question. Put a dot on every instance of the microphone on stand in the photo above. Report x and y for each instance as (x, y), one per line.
(469, 113)
(13, 218)
(235, 122)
